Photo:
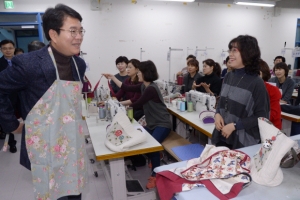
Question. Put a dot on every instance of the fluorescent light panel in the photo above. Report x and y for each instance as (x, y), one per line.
(257, 3)
(178, 0)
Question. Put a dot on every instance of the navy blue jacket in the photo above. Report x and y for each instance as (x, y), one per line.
(31, 75)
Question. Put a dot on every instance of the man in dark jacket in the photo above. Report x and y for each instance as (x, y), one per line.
(8, 49)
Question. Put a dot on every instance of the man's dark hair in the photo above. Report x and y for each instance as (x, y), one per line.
(17, 50)
(148, 70)
(135, 63)
(35, 45)
(250, 52)
(4, 42)
(54, 18)
(122, 59)
(195, 63)
(265, 70)
(280, 57)
(191, 56)
(284, 66)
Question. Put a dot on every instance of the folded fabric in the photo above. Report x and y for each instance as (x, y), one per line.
(188, 152)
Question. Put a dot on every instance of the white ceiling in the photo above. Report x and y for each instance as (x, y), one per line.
(279, 3)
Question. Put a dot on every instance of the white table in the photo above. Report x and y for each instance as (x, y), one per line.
(192, 119)
(287, 120)
(288, 189)
(116, 178)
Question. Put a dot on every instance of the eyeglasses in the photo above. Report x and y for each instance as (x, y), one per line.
(74, 32)
(6, 49)
(233, 50)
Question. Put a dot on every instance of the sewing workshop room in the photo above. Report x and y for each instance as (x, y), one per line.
(150, 99)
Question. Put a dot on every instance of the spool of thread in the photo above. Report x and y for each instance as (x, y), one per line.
(130, 113)
(179, 80)
(178, 105)
(182, 106)
(102, 113)
(190, 106)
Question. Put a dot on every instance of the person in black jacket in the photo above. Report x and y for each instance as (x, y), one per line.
(8, 49)
(211, 82)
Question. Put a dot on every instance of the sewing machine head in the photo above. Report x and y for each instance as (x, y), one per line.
(113, 107)
(162, 86)
(201, 101)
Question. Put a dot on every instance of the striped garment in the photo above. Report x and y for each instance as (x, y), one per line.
(246, 99)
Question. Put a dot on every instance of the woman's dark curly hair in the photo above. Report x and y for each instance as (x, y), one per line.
(249, 50)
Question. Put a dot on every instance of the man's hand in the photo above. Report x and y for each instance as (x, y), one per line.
(19, 129)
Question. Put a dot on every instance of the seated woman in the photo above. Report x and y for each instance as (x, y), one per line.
(210, 82)
(283, 82)
(156, 113)
(274, 95)
(131, 97)
(121, 63)
(227, 69)
(191, 76)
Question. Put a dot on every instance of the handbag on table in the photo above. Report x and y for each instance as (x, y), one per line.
(122, 134)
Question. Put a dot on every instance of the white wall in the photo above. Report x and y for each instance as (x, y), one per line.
(122, 28)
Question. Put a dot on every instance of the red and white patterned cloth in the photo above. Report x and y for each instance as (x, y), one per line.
(224, 172)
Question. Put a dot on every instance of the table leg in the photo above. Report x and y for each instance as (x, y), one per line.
(117, 171)
(286, 127)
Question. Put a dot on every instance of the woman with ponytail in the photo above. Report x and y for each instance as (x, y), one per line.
(210, 82)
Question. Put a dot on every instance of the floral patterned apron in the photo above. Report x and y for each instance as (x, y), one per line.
(55, 140)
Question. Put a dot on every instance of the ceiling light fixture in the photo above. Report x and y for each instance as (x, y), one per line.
(256, 3)
(178, 0)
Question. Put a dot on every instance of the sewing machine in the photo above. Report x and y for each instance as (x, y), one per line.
(162, 86)
(112, 108)
(201, 101)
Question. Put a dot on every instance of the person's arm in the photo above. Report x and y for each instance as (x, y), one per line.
(136, 97)
(13, 79)
(287, 94)
(120, 94)
(126, 103)
(149, 94)
(114, 87)
(215, 87)
(275, 97)
(298, 97)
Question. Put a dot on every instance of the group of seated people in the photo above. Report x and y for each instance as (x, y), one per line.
(243, 90)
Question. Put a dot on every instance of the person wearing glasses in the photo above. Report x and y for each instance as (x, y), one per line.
(243, 97)
(49, 83)
(8, 49)
(121, 63)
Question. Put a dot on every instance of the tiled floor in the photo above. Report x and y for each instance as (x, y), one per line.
(16, 182)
